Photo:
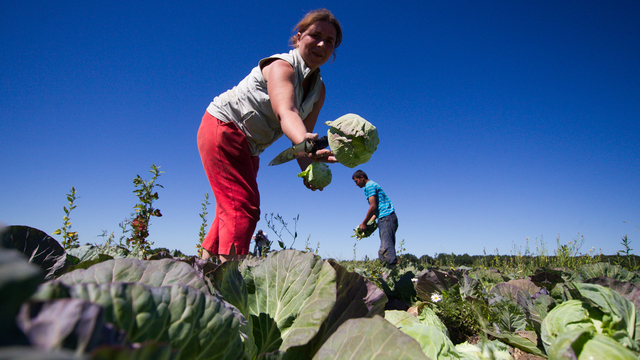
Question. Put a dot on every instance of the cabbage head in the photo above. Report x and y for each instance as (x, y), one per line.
(317, 174)
(360, 234)
(352, 139)
(569, 316)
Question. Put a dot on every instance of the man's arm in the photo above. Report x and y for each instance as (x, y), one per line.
(371, 213)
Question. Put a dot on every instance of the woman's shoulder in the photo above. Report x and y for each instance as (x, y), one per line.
(289, 57)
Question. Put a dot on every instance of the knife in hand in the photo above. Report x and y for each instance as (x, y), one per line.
(299, 150)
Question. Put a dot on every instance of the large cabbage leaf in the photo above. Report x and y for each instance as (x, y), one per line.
(356, 298)
(155, 273)
(228, 282)
(370, 338)
(290, 294)
(90, 252)
(352, 139)
(195, 323)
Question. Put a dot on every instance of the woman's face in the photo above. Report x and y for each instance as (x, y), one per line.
(317, 43)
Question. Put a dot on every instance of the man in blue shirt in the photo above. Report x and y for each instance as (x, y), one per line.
(380, 207)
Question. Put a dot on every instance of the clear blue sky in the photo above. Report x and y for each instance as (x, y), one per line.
(498, 120)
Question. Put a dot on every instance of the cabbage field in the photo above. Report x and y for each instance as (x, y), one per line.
(102, 302)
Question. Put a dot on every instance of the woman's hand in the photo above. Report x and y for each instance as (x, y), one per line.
(323, 155)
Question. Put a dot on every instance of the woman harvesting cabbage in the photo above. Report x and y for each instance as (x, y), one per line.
(282, 95)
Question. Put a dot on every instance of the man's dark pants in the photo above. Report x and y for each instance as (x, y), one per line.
(387, 226)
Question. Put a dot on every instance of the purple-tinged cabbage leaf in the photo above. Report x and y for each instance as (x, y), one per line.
(40, 248)
(74, 324)
(189, 320)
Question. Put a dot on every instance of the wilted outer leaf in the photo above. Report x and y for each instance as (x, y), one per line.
(434, 281)
(40, 248)
(374, 339)
(526, 285)
(507, 290)
(200, 325)
(155, 273)
(74, 324)
(290, 295)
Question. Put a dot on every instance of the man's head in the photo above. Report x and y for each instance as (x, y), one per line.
(360, 178)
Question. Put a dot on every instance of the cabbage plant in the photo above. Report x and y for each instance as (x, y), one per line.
(289, 305)
(317, 174)
(352, 139)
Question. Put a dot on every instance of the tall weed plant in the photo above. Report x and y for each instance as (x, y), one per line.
(69, 238)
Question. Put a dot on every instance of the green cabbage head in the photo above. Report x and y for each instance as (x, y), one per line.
(352, 139)
(317, 174)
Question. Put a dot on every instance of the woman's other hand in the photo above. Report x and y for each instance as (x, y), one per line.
(323, 155)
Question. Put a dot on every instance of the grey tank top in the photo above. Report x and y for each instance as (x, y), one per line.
(249, 107)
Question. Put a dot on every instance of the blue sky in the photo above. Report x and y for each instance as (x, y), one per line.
(498, 120)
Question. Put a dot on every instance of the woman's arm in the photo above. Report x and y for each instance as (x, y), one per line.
(280, 79)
